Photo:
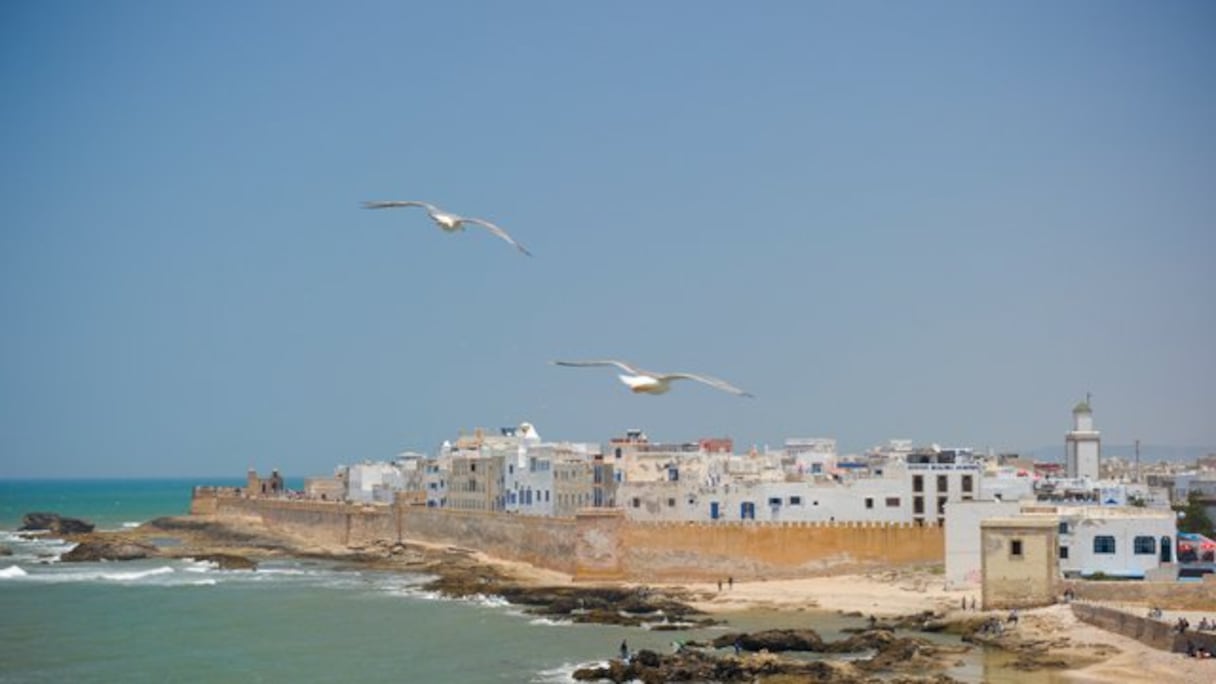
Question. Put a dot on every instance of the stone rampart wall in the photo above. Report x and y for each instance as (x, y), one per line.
(1164, 595)
(1155, 633)
(676, 551)
(602, 544)
(543, 542)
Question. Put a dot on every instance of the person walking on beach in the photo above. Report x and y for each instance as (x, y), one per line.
(719, 586)
(730, 582)
(624, 650)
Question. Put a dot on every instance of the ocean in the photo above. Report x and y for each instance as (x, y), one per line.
(291, 620)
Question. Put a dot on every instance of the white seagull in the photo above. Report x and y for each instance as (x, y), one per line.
(640, 380)
(448, 221)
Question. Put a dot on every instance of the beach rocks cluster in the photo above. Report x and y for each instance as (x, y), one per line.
(109, 550)
(625, 606)
(55, 523)
(897, 659)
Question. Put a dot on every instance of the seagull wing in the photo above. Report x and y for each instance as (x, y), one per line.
(497, 231)
(606, 362)
(393, 204)
(708, 380)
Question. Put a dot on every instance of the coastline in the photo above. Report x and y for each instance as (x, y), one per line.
(1046, 638)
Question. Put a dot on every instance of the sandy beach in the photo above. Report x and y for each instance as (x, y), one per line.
(1099, 655)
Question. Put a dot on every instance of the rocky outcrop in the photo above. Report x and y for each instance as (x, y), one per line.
(55, 523)
(692, 665)
(630, 607)
(5, 551)
(110, 550)
(227, 561)
(773, 641)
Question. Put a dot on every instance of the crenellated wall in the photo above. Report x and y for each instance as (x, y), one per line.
(709, 551)
(600, 544)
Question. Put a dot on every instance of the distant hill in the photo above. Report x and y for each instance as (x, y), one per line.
(1149, 453)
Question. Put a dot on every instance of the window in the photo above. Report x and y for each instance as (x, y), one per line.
(673, 474)
(943, 484)
(941, 505)
(1104, 544)
(918, 505)
(1015, 548)
(473, 467)
(1063, 553)
(892, 502)
(1063, 528)
(774, 501)
(966, 483)
(795, 500)
(637, 503)
(1147, 545)
(671, 503)
(869, 502)
(918, 483)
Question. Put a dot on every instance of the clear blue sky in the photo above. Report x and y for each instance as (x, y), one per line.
(939, 221)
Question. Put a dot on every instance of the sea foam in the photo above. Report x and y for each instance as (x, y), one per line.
(12, 571)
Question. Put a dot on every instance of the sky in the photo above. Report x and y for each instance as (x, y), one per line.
(939, 221)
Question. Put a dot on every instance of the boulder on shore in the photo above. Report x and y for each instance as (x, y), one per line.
(55, 523)
(112, 550)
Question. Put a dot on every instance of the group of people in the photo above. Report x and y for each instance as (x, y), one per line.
(730, 583)
(1183, 624)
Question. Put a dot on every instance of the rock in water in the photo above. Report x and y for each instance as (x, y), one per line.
(228, 561)
(118, 550)
(56, 523)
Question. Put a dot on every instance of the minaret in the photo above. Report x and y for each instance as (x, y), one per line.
(1082, 446)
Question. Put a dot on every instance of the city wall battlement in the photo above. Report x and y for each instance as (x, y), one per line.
(600, 544)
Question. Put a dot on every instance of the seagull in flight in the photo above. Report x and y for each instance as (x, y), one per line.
(648, 382)
(448, 221)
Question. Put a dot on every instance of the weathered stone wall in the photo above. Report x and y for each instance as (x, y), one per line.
(541, 541)
(683, 551)
(601, 544)
(325, 523)
(1155, 633)
(1164, 595)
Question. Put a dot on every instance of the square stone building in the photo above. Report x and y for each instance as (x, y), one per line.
(1019, 562)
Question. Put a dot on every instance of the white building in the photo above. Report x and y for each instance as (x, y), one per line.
(963, 518)
(370, 482)
(1082, 446)
(1111, 540)
(1123, 541)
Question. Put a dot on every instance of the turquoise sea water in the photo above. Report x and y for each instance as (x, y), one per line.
(289, 621)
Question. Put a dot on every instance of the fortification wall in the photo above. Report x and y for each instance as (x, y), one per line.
(602, 544)
(682, 551)
(324, 523)
(543, 542)
(1164, 595)
(1155, 633)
